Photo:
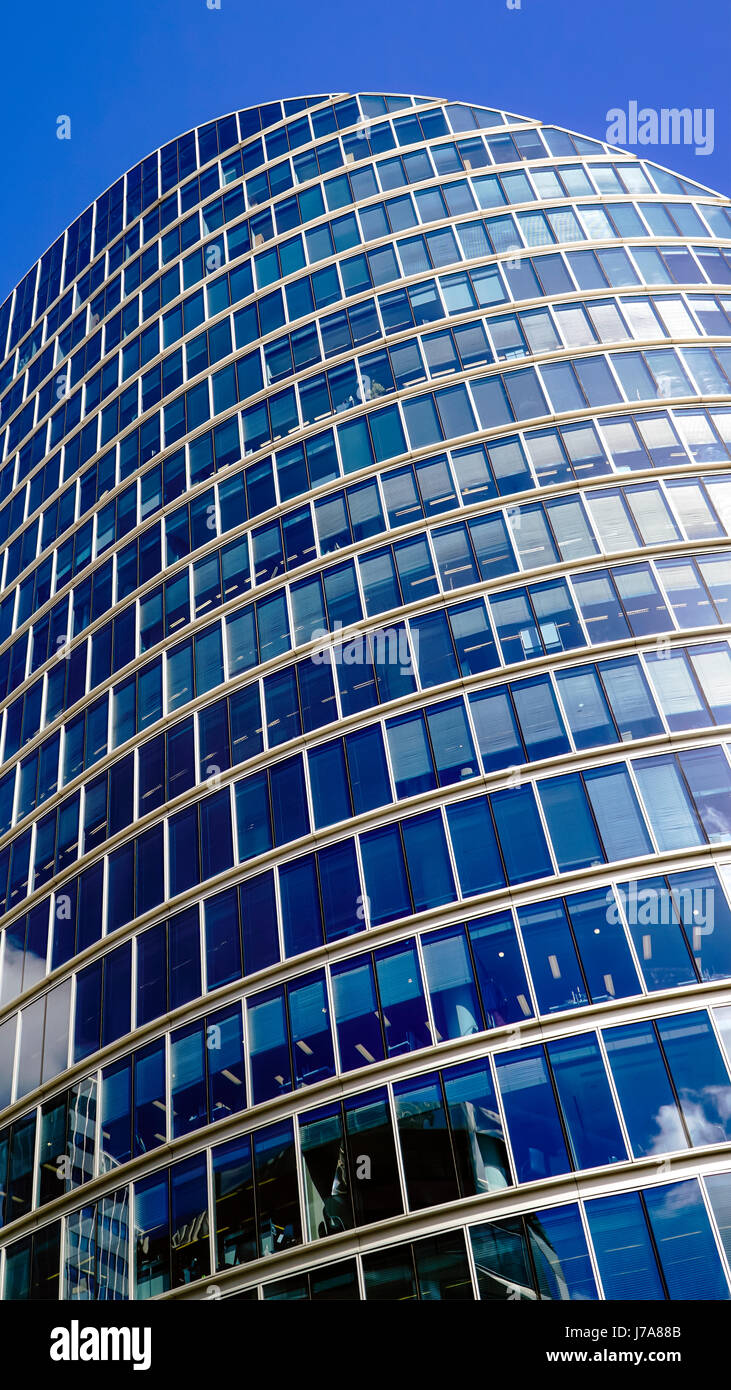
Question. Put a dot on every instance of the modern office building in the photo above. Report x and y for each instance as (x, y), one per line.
(365, 802)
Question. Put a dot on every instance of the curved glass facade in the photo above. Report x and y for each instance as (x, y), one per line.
(365, 800)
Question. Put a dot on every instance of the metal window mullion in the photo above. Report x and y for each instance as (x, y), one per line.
(622, 921)
(715, 1225)
(653, 1243)
(599, 1035)
(653, 1024)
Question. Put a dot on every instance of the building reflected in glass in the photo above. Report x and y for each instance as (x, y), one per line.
(365, 799)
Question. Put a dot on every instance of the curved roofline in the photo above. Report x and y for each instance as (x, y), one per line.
(318, 98)
(224, 115)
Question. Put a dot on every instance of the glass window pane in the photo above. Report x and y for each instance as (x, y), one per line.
(617, 813)
(535, 1130)
(700, 1075)
(668, 802)
(552, 956)
(684, 1242)
(371, 1156)
(357, 1015)
(328, 1203)
(521, 836)
(586, 1101)
(309, 1021)
(402, 999)
(570, 823)
(474, 842)
(644, 1090)
(623, 1248)
(233, 1187)
(426, 1147)
(499, 966)
(452, 989)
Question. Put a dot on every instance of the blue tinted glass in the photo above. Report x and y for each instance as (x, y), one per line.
(386, 884)
(317, 692)
(117, 993)
(532, 1116)
(341, 595)
(651, 915)
(617, 813)
(342, 902)
(560, 1253)
(309, 1021)
(669, 805)
(700, 1075)
(516, 626)
(357, 1016)
(225, 1056)
(152, 1221)
(427, 860)
(451, 741)
(116, 1112)
(259, 922)
(600, 607)
(684, 1241)
(476, 853)
(424, 1137)
(701, 906)
(450, 979)
(678, 692)
(402, 999)
(718, 1186)
(643, 1086)
(282, 707)
(301, 920)
(188, 1079)
(492, 547)
(393, 662)
(151, 973)
(150, 1112)
(415, 570)
(184, 957)
(473, 639)
(521, 836)
(586, 1101)
(540, 720)
(605, 954)
(88, 1010)
(558, 623)
(643, 602)
(499, 966)
(271, 1073)
(355, 677)
(380, 585)
(369, 779)
(709, 779)
(215, 833)
(329, 783)
(629, 696)
(223, 939)
(552, 956)
(623, 1248)
(473, 1114)
(190, 1259)
(496, 726)
(289, 800)
(434, 651)
(411, 757)
(252, 816)
(586, 707)
(570, 823)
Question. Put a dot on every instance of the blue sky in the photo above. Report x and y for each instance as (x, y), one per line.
(131, 76)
